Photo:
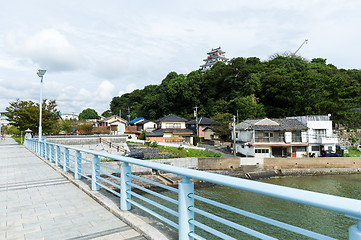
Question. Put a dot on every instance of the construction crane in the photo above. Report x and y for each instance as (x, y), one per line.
(294, 54)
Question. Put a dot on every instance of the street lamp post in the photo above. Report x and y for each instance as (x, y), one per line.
(41, 75)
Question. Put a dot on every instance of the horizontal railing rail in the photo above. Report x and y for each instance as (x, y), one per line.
(179, 209)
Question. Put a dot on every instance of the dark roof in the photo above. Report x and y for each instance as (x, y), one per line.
(201, 121)
(144, 121)
(163, 130)
(172, 118)
(271, 124)
(154, 134)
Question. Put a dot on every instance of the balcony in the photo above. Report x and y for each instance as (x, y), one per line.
(324, 139)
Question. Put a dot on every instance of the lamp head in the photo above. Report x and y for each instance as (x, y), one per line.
(41, 72)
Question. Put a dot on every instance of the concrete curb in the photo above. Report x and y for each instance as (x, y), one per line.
(136, 222)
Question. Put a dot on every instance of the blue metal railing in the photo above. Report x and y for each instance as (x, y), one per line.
(180, 211)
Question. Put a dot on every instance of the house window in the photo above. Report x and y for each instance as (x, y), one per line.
(320, 133)
(173, 125)
(236, 134)
(266, 136)
(299, 149)
(261, 150)
(296, 136)
(315, 148)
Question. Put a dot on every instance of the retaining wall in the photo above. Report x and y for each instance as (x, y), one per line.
(309, 163)
(191, 163)
(85, 140)
(218, 163)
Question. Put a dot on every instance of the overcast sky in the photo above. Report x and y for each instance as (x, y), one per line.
(95, 50)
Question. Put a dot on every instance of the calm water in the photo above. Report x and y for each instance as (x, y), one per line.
(314, 219)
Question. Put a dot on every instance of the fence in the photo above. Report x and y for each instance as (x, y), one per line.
(182, 213)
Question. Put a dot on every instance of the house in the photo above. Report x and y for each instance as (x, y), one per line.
(115, 123)
(320, 133)
(146, 125)
(69, 116)
(209, 134)
(271, 138)
(174, 129)
(136, 126)
(131, 129)
(203, 122)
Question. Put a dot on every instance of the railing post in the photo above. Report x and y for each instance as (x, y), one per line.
(185, 201)
(355, 231)
(43, 149)
(52, 153)
(57, 158)
(125, 187)
(95, 172)
(46, 152)
(77, 165)
(66, 160)
(38, 148)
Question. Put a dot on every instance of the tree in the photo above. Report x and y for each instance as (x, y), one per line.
(107, 113)
(25, 114)
(88, 114)
(222, 125)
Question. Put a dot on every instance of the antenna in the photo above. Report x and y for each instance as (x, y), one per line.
(294, 54)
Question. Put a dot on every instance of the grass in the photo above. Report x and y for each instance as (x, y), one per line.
(188, 152)
(17, 139)
(184, 152)
(353, 152)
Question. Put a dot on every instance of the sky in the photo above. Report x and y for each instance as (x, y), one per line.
(96, 50)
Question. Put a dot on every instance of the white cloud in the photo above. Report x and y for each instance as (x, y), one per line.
(105, 91)
(49, 49)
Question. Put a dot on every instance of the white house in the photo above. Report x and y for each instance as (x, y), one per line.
(271, 138)
(69, 116)
(320, 133)
(115, 123)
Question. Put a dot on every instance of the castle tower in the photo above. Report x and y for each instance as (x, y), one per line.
(213, 56)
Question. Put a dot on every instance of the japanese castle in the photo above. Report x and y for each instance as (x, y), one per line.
(213, 56)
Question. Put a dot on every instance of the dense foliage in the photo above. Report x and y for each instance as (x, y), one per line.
(25, 114)
(88, 113)
(279, 87)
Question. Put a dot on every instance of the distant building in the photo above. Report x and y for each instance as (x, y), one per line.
(271, 138)
(320, 133)
(215, 55)
(174, 129)
(69, 116)
(203, 122)
(137, 125)
(115, 123)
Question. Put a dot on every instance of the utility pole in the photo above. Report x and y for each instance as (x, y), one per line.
(196, 115)
(234, 135)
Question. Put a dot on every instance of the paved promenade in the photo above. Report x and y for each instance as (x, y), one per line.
(37, 202)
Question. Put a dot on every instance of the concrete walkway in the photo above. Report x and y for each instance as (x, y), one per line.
(37, 202)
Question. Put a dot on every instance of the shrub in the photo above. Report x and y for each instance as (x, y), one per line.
(142, 135)
(153, 144)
